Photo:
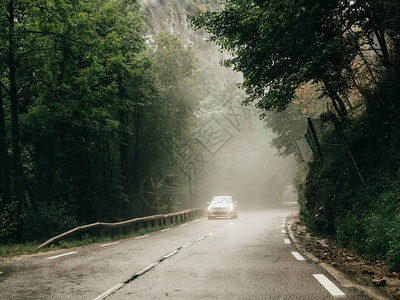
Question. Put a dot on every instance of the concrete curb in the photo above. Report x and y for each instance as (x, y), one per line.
(344, 280)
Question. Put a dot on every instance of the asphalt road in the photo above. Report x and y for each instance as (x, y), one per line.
(251, 257)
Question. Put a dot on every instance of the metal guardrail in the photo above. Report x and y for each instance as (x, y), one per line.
(129, 226)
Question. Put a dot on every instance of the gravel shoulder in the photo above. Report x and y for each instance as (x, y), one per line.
(373, 277)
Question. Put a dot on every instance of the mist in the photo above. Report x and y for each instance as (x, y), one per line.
(247, 167)
(250, 170)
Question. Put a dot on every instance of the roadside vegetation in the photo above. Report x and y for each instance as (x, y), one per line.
(15, 250)
(321, 59)
(362, 216)
(87, 111)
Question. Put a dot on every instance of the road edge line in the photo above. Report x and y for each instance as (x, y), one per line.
(342, 278)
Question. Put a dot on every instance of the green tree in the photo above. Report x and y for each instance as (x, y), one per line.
(280, 45)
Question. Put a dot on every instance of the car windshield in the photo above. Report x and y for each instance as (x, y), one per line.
(221, 201)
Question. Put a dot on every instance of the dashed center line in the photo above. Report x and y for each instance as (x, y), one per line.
(200, 239)
(170, 254)
(149, 267)
(283, 231)
(287, 241)
(69, 253)
(110, 291)
(165, 229)
(183, 224)
(144, 270)
(298, 256)
(228, 224)
(141, 237)
(109, 244)
(187, 245)
(329, 285)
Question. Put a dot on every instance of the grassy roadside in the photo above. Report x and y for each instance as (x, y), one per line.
(10, 252)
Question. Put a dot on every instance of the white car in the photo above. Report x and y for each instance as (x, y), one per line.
(222, 206)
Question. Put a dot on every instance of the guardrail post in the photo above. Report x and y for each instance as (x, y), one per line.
(98, 232)
(111, 231)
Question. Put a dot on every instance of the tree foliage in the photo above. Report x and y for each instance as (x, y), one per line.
(85, 113)
(279, 45)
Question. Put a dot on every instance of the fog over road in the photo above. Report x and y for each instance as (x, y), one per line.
(250, 257)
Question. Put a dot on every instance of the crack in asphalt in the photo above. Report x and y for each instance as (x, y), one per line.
(148, 268)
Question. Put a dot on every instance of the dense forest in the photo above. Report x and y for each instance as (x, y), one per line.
(87, 110)
(329, 60)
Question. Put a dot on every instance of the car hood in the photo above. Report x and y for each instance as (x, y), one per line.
(221, 205)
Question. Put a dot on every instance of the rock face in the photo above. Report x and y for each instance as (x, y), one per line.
(172, 16)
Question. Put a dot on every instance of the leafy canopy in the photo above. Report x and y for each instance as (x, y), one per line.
(279, 45)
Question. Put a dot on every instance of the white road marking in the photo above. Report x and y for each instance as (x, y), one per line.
(141, 237)
(329, 285)
(287, 241)
(196, 220)
(144, 270)
(104, 245)
(228, 224)
(149, 267)
(69, 253)
(283, 225)
(110, 291)
(283, 231)
(170, 254)
(202, 238)
(298, 256)
(183, 224)
(187, 245)
(165, 229)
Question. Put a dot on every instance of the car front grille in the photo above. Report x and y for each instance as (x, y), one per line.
(220, 211)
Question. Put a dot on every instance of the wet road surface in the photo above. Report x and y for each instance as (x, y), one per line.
(251, 257)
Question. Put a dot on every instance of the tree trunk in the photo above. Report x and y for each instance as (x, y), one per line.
(18, 183)
(137, 143)
(5, 187)
(380, 35)
(338, 103)
(124, 150)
